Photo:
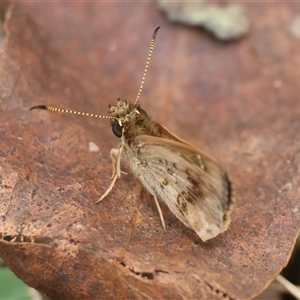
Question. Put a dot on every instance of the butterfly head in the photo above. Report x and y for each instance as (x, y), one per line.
(122, 115)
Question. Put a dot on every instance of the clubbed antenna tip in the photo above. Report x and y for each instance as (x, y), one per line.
(155, 32)
(39, 107)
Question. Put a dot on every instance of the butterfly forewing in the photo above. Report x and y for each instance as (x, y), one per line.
(190, 182)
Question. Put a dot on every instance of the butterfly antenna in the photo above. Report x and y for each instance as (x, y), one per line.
(147, 65)
(61, 110)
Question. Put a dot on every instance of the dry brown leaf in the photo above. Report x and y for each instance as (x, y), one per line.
(237, 101)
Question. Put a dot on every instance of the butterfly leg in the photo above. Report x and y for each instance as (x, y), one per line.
(113, 153)
(160, 214)
(116, 165)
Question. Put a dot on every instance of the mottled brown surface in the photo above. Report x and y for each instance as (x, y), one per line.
(238, 101)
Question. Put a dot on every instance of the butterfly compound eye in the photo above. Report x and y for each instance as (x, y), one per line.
(117, 129)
